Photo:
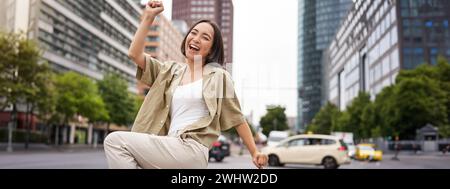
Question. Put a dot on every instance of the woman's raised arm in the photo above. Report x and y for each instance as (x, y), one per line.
(136, 50)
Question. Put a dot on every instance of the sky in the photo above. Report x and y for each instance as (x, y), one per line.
(265, 54)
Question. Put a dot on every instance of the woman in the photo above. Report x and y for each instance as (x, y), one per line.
(188, 105)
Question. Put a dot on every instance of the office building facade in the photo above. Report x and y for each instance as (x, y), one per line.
(317, 22)
(380, 38)
(85, 36)
(15, 15)
(89, 37)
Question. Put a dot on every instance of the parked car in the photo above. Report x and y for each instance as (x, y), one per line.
(351, 148)
(368, 152)
(326, 150)
(220, 149)
(347, 137)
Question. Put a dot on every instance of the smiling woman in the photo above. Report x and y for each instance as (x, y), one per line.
(188, 105)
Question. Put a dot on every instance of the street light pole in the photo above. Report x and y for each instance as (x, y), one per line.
(10, 148)
(11, 126)
(13, 116)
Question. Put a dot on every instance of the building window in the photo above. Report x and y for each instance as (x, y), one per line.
(386, 67)
(394, 36)
(394, 59)
(433, 51)
(393, 15)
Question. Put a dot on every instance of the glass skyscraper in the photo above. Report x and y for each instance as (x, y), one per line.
(317, 22)
(380, 38)
(424, 31)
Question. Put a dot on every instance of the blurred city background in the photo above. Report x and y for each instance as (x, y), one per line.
(358, 84)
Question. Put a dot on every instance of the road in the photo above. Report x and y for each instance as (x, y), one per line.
(95, 159)
(406, 162)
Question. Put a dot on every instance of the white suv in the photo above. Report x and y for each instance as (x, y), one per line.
(326, 150)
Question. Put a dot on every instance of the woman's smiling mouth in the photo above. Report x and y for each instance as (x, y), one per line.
(194, 48)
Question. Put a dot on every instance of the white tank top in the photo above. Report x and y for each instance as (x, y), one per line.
(187, 106)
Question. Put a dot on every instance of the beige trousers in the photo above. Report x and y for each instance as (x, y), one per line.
(130, 150)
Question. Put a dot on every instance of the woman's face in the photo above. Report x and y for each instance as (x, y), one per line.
(199, 41)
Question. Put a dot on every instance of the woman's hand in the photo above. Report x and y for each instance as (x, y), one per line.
(153, 8)
(260, 160)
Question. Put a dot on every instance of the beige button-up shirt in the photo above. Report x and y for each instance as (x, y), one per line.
(218, 93)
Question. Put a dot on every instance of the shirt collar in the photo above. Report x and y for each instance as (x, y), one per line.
(211, 68)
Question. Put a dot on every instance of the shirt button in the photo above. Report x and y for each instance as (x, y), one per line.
(167, 106)
(162, 122)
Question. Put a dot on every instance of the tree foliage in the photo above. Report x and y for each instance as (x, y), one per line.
(119, 103)
(326, 120)
(274, 120)
(78, 95)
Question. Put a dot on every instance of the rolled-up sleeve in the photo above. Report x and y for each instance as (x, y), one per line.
(152, 68)
(231, 114)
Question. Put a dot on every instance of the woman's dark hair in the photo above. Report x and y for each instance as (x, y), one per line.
(216, 54)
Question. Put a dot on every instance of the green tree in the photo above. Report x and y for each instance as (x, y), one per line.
(342, 122)
(40, 97)
(19, 69)
(419, 101)
(385, 109)
(78, 95)
(274, 120)
(46, 103)
(324, 120)
(23, 77)
(432, 95)
(10, 87)
(355, 112)
(443, 70)
(119, 103)
(370, 122)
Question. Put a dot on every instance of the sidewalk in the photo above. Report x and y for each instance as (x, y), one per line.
(40, 147)
(419, 153)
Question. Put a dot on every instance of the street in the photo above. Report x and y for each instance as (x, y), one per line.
(406, 162)
(90, 158)
(65, 159)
